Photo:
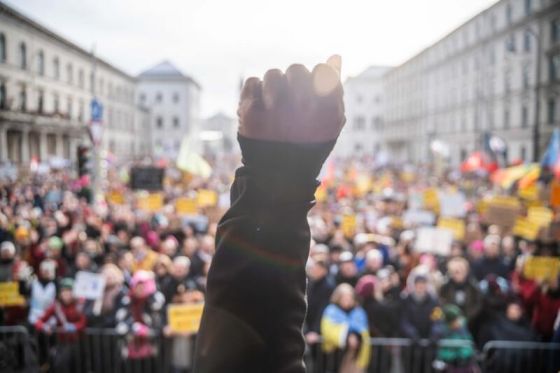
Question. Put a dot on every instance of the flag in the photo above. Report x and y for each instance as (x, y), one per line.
(550, 158)
(189, 161)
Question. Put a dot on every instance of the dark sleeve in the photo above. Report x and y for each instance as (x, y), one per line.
(255, 301)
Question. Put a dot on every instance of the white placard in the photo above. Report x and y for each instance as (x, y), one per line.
(89, 285)
(434, 240)
(452, 205)
(419, 217)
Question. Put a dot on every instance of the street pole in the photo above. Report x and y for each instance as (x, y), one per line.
(96, 185)
(537, 114)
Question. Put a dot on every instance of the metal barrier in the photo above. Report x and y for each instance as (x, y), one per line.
(105, 351)
(514, 357)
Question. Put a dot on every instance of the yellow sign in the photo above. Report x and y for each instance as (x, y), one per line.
(526, 228)
(504, 201)
(207, 198)
(185, 206)
(530, 193)
(9, 294)
(151, 202)
(184, 318)
(431, 199)
(541, 267)
(115, 198)
(457, 226)
(540, 215)
(349, 225)
(555, 194)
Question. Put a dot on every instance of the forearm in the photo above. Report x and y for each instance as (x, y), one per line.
(255, 305)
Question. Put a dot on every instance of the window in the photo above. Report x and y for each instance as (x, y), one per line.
(81, 78)
(2, 48)
(101, 86)
(524, 117)
(22, 56)
(175, 97)
(528, 6)
(527, 41)
(40, 101)
(81, 111)
(526, 74)
(159, 122)
(551, 111)
(463, 154)
(56, 68)
(359, 123)
(509, 13)
(56, 104)
(159, 97)
(523, 153)
(2, 95)
(69, 74)
(22, 98)
(175, 122)
(554, 67)
(554, 30)
(69, 107)
(142, 98)
(506, 119)
(92, 81)
(510, 44)
(507, 81)
(41, 63)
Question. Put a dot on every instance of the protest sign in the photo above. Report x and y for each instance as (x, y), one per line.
(530, 193)
(525, 228)
(431, 199)
(349, 225)
(146, 178)
(89, 285)
(457, 226)
(185, 206)
(9, 294)
(452, 205)
(419, 217)
(115, 198)
(502, 211)
(434, 240)
(207, 198)
(540, 215)
(541, 267)
(150, 202)
(184, 318)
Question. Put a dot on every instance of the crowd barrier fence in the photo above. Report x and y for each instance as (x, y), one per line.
(105, 351)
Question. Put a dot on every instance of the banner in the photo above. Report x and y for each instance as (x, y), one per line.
(115, 198)
(502, 211)
(434, 240)
(9, 294)
(184, 318)
(186, 206)
(207, 198)
(349, 225)
(540, 215)
(431, 199)
(419, 217)
(146, 178)
(541, 267)
(151, 202)
(526, 229)
(89, 285)
(457, 226)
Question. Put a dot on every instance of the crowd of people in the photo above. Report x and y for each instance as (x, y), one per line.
(366, 277)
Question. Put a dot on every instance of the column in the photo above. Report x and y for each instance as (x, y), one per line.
(3, 144)
(43, 146)
(24, 147)
(59, 146)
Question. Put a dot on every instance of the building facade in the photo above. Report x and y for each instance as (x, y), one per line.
(498, 73)
(219, 135)
(47, 85)
(363, 102)
(173, 100)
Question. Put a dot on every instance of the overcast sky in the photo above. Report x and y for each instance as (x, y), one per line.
(219, 41)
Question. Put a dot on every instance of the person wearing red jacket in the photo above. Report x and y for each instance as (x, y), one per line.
(545, 302)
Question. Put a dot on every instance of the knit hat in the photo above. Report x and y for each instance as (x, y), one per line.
(451, 313)
(55, 243)
(365, 286)
(66, 283)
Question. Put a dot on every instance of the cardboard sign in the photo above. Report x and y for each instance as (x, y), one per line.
(540, 215)
(115, 198)
(525, 228)
(541, 267)
(146, 178)
(530, 193)
(555, 194)
(419, 217)
(457, 226)
(207, 198)
(502, 211)
(186, 206)
(434, 240)
(452, 205)
(88, 285)
(431, 199)
(151, 202)
(184, 318)
(9, 294)
(349, 225)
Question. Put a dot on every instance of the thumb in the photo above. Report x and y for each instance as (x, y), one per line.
(335, 61)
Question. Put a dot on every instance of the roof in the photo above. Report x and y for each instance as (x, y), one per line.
(11, 12)
(372, 73)
(165, 70)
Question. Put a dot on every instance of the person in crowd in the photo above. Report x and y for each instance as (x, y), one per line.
(202, 256)
(418, 312)
(344, 327)
(13, 269)
(373, 262)
(179, 277)
(101, 312)
(545, 303)
(42, 291)
(347, 270)
(319, 290)
(162, 270)
(144, 258)
(491, 263)
(461, 290)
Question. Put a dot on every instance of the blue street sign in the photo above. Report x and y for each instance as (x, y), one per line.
(96, 111)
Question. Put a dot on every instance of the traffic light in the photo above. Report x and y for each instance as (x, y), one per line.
(84, 160)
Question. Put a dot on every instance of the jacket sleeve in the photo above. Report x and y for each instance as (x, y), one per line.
(255, 302)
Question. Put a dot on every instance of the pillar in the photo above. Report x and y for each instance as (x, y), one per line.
(43, 146)
(3, 144)
(24, 147)
(59, 149)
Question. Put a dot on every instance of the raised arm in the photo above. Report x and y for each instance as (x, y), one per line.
(255, 305)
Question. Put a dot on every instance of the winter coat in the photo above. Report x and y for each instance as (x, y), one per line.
(318, 298)
(418, 317)
(466, 296)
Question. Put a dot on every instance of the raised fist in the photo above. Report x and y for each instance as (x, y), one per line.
(296, 107)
